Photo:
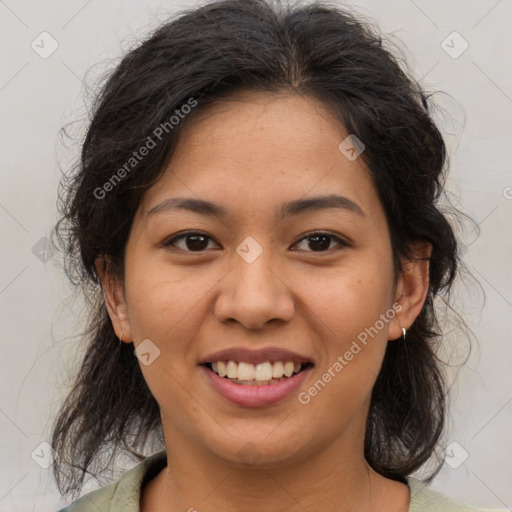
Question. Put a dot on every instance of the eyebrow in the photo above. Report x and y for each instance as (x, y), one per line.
(289, 208)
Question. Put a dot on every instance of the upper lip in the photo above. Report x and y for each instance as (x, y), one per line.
(255, 356)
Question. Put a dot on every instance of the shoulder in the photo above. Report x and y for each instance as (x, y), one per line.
(123, 495)
(424, 499)
(98, 500)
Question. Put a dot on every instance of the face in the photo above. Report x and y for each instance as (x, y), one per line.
(265, 278)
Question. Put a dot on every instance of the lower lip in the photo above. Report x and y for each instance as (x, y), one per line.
(255, 396)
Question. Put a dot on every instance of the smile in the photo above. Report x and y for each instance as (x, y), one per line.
(260, 374)
(249, 391)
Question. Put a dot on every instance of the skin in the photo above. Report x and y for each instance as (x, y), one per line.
(251, 153)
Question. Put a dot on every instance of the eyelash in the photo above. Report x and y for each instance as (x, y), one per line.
(171, 241)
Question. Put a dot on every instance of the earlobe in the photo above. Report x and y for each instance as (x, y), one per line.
(412, 288)
(114, 299)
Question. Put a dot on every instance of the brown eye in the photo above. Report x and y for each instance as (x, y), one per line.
(193, 242)
(321, 242)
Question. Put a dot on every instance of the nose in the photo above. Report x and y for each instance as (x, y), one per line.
(253, 294)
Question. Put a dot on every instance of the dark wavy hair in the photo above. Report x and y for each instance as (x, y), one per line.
(207, 53)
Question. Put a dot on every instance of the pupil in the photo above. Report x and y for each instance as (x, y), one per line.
(323, 245)
(198, 242)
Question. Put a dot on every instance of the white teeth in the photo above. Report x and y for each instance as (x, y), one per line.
(261, 373)
(232, 370)
(288, 369)
(277, 370)
(222, 370)
(246, 371)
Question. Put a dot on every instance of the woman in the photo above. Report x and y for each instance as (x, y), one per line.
(255, 209)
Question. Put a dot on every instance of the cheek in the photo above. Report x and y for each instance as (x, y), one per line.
(163, 307)
(162, 300)
(348, 308)
(349, 299)
(352, 355)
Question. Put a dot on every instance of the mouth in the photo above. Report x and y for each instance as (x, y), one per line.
(260, 374)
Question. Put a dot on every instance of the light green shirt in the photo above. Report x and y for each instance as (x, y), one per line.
(124, 495)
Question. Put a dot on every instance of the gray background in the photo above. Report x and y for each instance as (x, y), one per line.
(41, 319)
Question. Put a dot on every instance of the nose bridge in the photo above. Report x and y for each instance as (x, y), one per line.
(254, 293)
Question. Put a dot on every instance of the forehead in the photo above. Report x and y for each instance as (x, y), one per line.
(257, 148)
(284, 125)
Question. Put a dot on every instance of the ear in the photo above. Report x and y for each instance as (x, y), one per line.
(412, 288)
(114, 299)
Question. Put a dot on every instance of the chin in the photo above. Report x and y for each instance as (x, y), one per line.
(258, 450)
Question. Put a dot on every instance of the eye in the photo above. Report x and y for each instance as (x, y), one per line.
(193, 241)
(320, 241)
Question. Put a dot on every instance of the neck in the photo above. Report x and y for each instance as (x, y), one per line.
(334, 479)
